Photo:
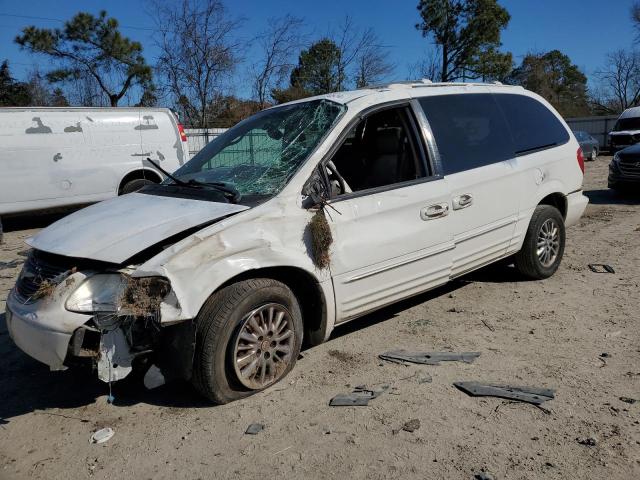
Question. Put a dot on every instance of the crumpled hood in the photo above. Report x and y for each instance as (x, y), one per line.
(116, 229)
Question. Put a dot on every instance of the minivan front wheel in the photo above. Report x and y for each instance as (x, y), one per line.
(248, 337)
(543, 245)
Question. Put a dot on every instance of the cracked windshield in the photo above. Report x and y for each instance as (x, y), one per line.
(259, 155)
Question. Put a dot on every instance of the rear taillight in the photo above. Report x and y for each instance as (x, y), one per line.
(580, 157)
(183, 136)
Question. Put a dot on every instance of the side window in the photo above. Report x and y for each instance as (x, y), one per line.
(469, 129)
(533, 125)
(382, 149)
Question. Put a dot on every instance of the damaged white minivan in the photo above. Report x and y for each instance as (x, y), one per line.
(302, 217)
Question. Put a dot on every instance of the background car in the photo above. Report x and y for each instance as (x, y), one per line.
(590, 146)
(624, 170)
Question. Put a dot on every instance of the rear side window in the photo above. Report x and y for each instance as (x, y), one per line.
(532, 124)
(470, 130)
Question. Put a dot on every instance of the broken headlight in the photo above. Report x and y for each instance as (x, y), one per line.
(100, 293)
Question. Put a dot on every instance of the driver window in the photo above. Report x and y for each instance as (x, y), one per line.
(382, 149)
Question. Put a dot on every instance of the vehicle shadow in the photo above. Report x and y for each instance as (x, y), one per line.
(611, 197)
(28, 386)
(29, 221)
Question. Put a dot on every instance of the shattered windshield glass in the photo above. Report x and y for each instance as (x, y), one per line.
(259, 155)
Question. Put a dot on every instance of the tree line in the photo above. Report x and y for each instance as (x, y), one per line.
(200, 61)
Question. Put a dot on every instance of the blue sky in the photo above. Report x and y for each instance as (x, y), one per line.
(583, 29)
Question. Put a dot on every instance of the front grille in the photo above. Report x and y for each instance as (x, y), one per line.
(630, 167)
(38, 268)
(622, 140)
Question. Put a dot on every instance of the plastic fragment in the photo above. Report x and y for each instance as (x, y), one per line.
(102, 435)
(601, 268)
(153, 378)
(358, 398)
(428, 358)
(254, 429)
(533, 395)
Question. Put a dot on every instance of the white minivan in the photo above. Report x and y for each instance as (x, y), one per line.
(301, 217)
(56, 157)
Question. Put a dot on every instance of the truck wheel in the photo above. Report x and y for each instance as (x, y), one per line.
(135, 185)
(543, 246)
(248, 337)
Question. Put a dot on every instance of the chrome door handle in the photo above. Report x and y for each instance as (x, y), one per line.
(432, 212)
(462, 201)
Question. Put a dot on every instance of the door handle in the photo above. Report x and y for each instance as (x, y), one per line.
(462, 201)
(146, 154)
(432, 212)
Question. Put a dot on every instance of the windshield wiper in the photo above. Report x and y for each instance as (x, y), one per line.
(224, 187)
(175, 179)
(231, 192)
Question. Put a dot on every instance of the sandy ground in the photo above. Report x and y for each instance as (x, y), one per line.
(576, 332)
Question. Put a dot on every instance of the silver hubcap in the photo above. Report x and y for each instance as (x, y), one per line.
(548, 243)
(263, 347)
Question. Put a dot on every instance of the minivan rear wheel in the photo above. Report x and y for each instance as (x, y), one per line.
(543, 245)
(248, 337)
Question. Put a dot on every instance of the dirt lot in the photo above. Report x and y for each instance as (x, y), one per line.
(576, 332)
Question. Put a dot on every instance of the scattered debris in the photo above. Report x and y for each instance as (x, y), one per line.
(628, 400)
(601, 268)
(424, 378)
(588, 441)
(533, 395)
(483, 476)
(358, 398)
(605, 355)
(102, 435)
(321, 239)
(488, 325)
(428, 358)
(254, 429)
(11, 264)
(153, 378)
(411, 426)
(455, 310)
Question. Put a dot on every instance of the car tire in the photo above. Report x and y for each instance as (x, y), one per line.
(135, 185)
(226, 319)
(543, 245)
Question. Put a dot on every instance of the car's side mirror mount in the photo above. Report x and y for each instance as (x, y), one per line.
(317, 189)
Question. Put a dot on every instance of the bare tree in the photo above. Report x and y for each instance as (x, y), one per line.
(279, 45)
(428, 67)
(198, 55)
(362, 57)
(619, 82)
(635, 18)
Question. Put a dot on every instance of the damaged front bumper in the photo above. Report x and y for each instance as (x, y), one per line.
(48, 329)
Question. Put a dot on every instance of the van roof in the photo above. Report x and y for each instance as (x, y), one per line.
(630, 112)
(351, 95)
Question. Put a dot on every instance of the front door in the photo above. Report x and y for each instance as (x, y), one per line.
(389, 215)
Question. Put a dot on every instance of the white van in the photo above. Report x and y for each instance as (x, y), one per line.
(302, 217)
(55, 157)
(626, 131)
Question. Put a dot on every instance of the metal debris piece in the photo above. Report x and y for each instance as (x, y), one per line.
(588, 441)
(628, 400)
(483, 476)
(11, 264)
(411, 426)
(102, 435)
(533, 395)
(153, 378)
(428, 358)
(601, 268)
(358, 398)
(254, 429)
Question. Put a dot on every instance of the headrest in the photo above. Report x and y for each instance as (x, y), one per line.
(387, 141)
